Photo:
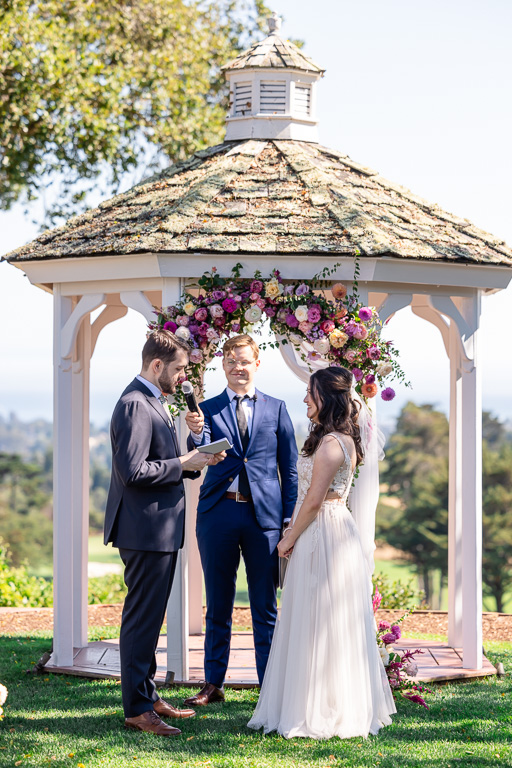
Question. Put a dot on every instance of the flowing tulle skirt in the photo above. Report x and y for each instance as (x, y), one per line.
(325, 676)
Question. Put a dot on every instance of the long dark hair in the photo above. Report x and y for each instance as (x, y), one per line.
(337, 412)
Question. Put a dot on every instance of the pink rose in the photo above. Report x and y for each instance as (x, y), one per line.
(260, 302)
(254, 296)
(305, 327)
(327, 326)
(351, 356)
(216, 310)
(212, 335)
(373, 352)
(384, 625)
(170, 326)
(360, 332)
(256, 286)
(183, 320)
(196, 356)
(201, 314)
(314, 314)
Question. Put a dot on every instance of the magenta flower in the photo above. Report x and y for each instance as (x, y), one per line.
(388, 393)
(301, 289)
(201, 314)
(291, 321)
(235, 327)
(229, 305)
(256, 286)
(314, 314)
(170, 326)
(389, 639)
(384, 625)
(327, 326)
(373, 353)
(260, 302)
(203, 329)
(377, 599)
(357, 374)
(365, 313)
(370, 378)
(395, 629)
(270, 312)
(218, 295)
(193, 328)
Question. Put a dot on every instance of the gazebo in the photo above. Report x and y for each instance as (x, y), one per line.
(268, 196)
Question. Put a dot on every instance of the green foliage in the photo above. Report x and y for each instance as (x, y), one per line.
(396, 595)
(497, 524)
(18, 589)
(87, 87)
(106, 589)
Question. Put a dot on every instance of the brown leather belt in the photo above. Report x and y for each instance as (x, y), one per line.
(236, 496)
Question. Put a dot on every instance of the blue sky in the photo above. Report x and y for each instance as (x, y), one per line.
(420, 92)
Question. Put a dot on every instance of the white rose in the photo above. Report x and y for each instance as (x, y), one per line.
(253, 314)
(322, 346)
(183, 333)
(189, 308)
(384, 369)
(301, 313)
(273, 288)
(384, 655)
(295, 339)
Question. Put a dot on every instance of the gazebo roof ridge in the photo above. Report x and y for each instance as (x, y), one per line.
(285, 196)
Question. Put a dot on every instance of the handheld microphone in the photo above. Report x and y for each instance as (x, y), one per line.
(190, 398)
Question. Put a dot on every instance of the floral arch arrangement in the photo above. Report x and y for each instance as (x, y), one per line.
(338, 331)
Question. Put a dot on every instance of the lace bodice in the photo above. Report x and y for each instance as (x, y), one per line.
(341, 483)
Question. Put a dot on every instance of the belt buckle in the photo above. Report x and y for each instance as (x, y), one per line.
(238, 499)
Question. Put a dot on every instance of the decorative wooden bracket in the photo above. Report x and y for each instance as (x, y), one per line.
(70, 329)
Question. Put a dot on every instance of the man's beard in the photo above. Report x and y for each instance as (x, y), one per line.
(166, 385)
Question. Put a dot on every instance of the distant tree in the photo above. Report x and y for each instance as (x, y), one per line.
(88, 88)
(497, 522)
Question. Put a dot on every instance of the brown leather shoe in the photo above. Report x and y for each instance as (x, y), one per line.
(207, 695)
(164, 709)
(151, 723)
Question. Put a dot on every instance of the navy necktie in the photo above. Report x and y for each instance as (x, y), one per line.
(243, 481)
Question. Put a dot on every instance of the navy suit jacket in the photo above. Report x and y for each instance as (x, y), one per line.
(146, 499)
(270, 459)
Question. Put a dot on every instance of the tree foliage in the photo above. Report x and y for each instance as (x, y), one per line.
(497, 522)
(91, 85)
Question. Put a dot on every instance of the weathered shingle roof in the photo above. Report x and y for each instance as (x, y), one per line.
(270, 196)
(274, 52)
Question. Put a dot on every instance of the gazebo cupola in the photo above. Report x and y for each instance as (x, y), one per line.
(272, 91)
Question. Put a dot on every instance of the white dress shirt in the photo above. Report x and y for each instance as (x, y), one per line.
(156, 392)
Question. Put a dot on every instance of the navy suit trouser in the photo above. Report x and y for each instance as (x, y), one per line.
(223, 533)
(148, 576)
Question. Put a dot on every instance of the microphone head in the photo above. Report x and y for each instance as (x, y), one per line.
(187, 387)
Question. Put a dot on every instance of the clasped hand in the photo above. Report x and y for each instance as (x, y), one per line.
(285, 546)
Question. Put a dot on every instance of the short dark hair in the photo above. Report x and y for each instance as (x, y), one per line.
(162, 345)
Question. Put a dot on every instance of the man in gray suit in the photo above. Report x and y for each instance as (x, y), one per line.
(145, 519)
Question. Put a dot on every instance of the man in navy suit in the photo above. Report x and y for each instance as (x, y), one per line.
(243, 503)
(145, 518)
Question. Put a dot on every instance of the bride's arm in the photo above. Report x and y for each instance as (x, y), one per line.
(328, 459)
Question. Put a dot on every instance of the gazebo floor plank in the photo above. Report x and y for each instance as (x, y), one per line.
(100, 659)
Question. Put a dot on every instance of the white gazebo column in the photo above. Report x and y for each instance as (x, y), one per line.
(470, 447)
(455, 492)
(62, 489)
(80, 480)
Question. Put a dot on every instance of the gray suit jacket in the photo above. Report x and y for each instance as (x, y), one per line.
(146, 499)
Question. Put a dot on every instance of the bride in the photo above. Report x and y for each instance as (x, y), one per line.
(325, 676)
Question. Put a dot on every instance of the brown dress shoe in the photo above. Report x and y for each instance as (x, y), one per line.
(151, 723)
(164, 709)
(207, 695)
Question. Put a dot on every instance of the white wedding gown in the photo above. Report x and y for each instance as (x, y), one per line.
(325, 676)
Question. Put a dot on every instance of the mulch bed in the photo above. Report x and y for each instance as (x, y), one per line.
(496, 626)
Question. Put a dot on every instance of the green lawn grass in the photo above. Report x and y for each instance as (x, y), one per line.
(64, 721)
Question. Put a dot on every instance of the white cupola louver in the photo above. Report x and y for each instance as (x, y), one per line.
(302, 99)
(272, 97)
(242, 99)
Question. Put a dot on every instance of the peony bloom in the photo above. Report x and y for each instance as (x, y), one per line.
(388, 639)
(305, 327)
(260, 302)
(384, 369)
(216, 310)
(170, 326)
(327, 326)
(350, 355)
(254, 296)
(388, 393)
(357, 374)
(212, 335)
(219, 322)
(201, 314)
(183, 333)
(322, 346)
(384, 625)
(301, 313)
(301, 289)
(370, 378)
(273, 288)
(183, 319)
(365, 314)
(373, 352)
(339, 291)
(360, 332)
(395, 628)
(291, 321)
(189, 308)
(219, 295)
(384, 655)
(229, 305)
(196, 356)
(338, 338)
(256, 286)
(314, 314)
(369, 390)
(203, 328)
(253, 314)
(341, 313)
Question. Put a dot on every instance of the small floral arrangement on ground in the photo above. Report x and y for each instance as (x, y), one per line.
(338, 330)
(400, 667)
(3, 697)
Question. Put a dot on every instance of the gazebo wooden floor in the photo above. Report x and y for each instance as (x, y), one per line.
(100, 659)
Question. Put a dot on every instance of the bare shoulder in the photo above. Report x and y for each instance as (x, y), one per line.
(347, 441)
